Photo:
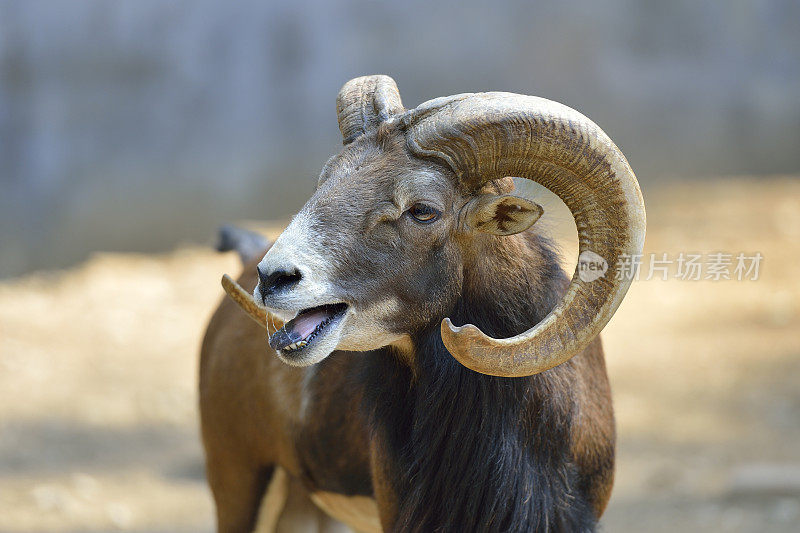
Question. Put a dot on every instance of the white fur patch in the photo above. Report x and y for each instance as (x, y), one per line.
(292, 250)
(358, 512)
(363, 330)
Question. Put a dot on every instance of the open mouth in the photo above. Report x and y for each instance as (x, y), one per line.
(307, 327)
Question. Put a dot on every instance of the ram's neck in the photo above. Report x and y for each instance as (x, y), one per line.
(480, 453)
(510, 283)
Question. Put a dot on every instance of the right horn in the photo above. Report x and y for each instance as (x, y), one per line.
(244, 300)
(487, 136)
(363, 103)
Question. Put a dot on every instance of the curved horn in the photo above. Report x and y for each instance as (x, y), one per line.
(363, 103)
(487, 136)
(245, 301)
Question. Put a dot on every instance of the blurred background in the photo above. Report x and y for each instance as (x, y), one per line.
(130, 130)
(139, 125)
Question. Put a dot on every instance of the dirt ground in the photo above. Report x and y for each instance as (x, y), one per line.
(98, 417)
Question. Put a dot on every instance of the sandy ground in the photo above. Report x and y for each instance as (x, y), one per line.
(98, 417)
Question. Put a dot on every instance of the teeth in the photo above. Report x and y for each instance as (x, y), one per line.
(295, 346)
(301, 344)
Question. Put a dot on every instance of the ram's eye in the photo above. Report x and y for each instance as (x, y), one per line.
(423, 213)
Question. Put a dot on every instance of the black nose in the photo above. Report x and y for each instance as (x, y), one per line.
(275, 281)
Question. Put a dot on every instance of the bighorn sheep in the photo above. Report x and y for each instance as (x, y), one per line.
(417, 396)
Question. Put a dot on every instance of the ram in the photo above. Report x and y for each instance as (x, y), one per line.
(430, 366)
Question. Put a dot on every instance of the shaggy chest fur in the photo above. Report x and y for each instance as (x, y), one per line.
(467, 452)
(463, 451)
(477, 453)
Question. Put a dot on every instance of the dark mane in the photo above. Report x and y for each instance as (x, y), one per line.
(472, 452)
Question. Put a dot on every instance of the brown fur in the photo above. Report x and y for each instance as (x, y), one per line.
(258, 413)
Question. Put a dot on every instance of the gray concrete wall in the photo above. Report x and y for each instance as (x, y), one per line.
(144, 124)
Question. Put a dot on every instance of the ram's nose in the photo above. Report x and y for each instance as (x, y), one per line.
(271, 282)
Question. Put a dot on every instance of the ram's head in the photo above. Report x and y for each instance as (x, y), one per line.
(379, 250)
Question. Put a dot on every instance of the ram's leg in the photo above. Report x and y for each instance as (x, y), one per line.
(238, 487)
(287, 508)
(274, 501)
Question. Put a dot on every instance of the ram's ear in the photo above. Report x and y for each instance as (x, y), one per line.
(503, 214)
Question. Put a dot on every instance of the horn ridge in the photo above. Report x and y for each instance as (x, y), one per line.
(364, 102)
